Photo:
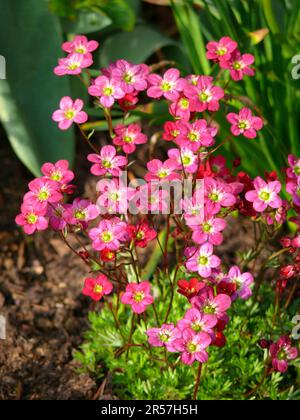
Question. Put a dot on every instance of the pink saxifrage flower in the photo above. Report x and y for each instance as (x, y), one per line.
(196, 135)
(197, 322)
(281, 353)
(161, 171)
(171, 131)
(72, 65)
(43, 191)
(108, 235)
(242, 281)
(138, 296)
(218, 194)
(245, 123)
(185, 159)
(193, 346)
(208, 230)
(80, 45)
(207, 303)
(80, 212)
(96, 288)
(239, 65)
(108, 90)
(265, 195)
(58, 172)
(221, 49)
(32, 219)
(169, 86)
(204, 96)
(70, 112)
(202, 260)
(180, 108)
(128, 137)
(114, 196)
(293, 172)
(107, 162)
(57, 216)
(130, 76)
(142, 234)
(163, 336)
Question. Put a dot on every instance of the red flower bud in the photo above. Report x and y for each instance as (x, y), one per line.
(226, 287)
(265, 344)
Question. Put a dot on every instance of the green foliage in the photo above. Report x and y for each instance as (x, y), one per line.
(31, 92)
(233, 372)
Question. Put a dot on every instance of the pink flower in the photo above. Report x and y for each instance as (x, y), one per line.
(209, 230)
(138, 296)
(70, 111)
(208, 304)
(218, 194)
(114, 196)
(97, 288)
(245, 123)
(181, 108)
(57, 216)
(58, 172)
(221, 50)
(107, 162)
(161, 171)
(80, 45)
(196, 135)
(43, 191)
(142, 234)
(81, 212)
(130, 76)
(151, 198)
(171, 131)
(163, 336)
(203, 260)
(107, 89)
(169, 86)
(239, 65)
(281, 353)
(185, 159)
(108, 235)
(264, 195)
(204, 96)
(197, 322)
(293, 188)
(73, 64)
(293, 172)
(192, 346)
(128, 137)
(242, 281)
(32, 219)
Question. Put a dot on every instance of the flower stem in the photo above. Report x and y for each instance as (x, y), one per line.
(197, 383)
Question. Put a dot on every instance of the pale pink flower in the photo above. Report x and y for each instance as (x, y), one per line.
(73, 64)
(197, 322)
(239, 65)
(196, 135)
(114, 197)
(32, 219)
(185, 159)
(70, 112)
(242, 281)
(108, 90)
(43, 191)
(221, 49)
(96, 288)
(293, 172)
(161, 171)
(245, 123)
(204, 96)
(209, 304)
(151, 198)
(128, 137)
(193, 346)
(80, 212)
(107, 162)
(130, 76)
(58, 172)
(80, 45)
(202, 260)
(218, 194)
(209, 230)
(169, 86)
(265, 195)
(163, 336)
(138, 296)
(293, 188)
(108, 235)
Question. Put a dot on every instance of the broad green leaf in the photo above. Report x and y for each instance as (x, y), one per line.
(136, 46)
(32, 92)
(86, 22)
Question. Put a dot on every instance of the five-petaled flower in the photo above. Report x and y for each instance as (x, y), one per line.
(96, 288)
(245, 123)
(138, 296)
(70, 112)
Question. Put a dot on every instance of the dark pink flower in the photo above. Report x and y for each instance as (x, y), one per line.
(161, 171)
(108, 90)
(163, 336)
(209, 304)
(204, 96)
(281, 353)
(108, 235)
(81, 212)
(58, 172)
(138, 296)
(293, 172)
(130, 76)
(197, 322)
(73, 64)
(70, 112)
(32, 219)
(239, 65)
(245, 123)
(43, 191)
(181, 108)
(193, 346)
(80, 45)
(169, 86)
(142, 234)
(97, 288)
(171, 131)
(196, 135)
(221, 49)
(107, 162)
(128, 137)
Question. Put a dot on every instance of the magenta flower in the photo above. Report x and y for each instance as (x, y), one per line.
(204, 96)
(196, 135)
(171, 131)
(58, 172)
(202, 260)
(181, 108)
(108, 90)
(239, 65)
(57, 216)
(193, 346)
(169, 86)
(264, 195)
(43, 191)
(185, 159)
(138, 296)
(281, 353)
(73, 64)
(245, 123)
(163, 336)
(80, 45)
(209, 230)
(81, 212)
(208, 304)
(161, 171)
(107, 162)
(130, 76)
(32, 219)
(97, 288)
(293, 188)
(218, 194)
(108, 235)
(197, 322)
(242, 281)
(142, 234)
(128, 137)
(221, 49)
(70, 112)
(150, 198)
(114, 196)
(293, 172)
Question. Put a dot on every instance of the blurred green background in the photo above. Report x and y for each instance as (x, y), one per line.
(31, 34)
